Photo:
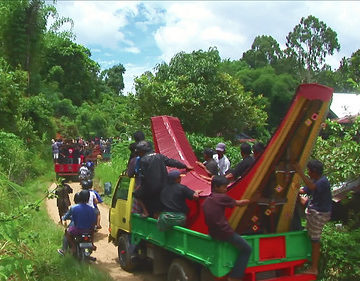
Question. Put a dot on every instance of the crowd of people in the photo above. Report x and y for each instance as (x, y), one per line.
(84, 216)
(74, 151)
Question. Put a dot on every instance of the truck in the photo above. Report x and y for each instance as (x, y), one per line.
(188, 253)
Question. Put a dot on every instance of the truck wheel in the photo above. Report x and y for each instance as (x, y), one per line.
(127, 262)
(182, 270)
(205, 275)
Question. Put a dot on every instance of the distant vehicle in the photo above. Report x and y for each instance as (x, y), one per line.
(69, 162)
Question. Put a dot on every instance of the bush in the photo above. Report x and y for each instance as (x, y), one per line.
(110, 171)
(17, 162)
(340, 258)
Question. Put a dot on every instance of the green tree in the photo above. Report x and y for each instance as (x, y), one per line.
(22, 34)
(265, 50)
(192, 88)
(36, 113)
(70, 66)
(277, 90)
(113, 78)
(349, 73)
(309, 43)
(340, 151)
(12, 88)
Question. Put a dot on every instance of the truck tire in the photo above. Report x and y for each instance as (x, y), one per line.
(205, 275)
(182, 270)
(127, 262)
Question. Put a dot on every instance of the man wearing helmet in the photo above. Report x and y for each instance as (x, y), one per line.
(153, 173)
(83, 172)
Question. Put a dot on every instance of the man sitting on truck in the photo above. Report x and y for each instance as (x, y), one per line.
(209, 165)
(173, 197)
(153, 173)
(219, 228)
(241, 168)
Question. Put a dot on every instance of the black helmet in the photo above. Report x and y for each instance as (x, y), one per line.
(143, 146)
(84, 196)
(90, 183)
(139, 136)
(85, 184)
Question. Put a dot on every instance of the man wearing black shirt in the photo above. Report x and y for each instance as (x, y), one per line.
(153, 174)
(241, 168)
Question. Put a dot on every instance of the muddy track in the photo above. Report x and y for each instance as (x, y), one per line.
(106, 253)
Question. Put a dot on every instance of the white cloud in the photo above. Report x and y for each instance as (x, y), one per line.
(133, 71)
(232, 26)
(194, 25)
(98, 23)
(133, 50)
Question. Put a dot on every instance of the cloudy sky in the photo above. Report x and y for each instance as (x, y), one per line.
(140, 35)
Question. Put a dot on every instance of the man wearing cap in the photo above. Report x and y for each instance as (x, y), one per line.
(153, 174)
(221, 159)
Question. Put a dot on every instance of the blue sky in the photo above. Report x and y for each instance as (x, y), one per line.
(141, 34)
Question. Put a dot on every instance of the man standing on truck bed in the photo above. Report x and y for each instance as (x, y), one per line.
(318, 210)
(153, 174)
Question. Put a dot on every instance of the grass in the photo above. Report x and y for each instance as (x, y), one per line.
(29, 244)
(108, 172)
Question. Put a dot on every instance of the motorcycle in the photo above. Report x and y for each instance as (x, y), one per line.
(84, 247)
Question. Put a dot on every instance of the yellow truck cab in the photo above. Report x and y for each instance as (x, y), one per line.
(121, 205)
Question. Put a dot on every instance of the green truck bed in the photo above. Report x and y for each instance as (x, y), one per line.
(217, 256)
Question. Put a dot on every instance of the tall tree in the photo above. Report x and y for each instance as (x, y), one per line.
(351, 70)
(71, 67)
(310, 42)
(277, 89)
(265, 50)
(22, 36)
(113, 78)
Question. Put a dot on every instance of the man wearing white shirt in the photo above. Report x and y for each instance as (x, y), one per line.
(221, 159)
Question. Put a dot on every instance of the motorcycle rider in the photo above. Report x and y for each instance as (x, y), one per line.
(68, 216)
(94, 199)
(84, 172)
(84, 219)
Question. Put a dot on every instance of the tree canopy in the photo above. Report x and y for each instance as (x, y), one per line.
(310, 42)
(206, 100)
(51, 84)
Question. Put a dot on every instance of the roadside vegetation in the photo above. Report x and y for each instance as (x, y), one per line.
(28, 237)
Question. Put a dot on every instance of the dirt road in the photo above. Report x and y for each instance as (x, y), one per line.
(106, 253)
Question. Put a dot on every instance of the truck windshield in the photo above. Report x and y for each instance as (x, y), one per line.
(122, 190)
